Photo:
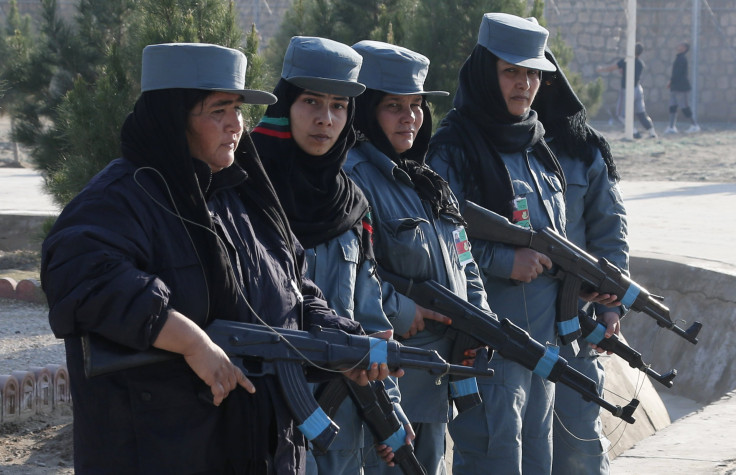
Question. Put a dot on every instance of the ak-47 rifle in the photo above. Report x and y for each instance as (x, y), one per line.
(577, 268)
(377, 411)
(288, 354)
(510, 341)
(594, 332)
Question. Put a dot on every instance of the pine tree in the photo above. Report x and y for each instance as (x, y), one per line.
(346, 21)
(92, 78)
(305, 18)
(16, 42)
(373, 20)
(256, 76)
(446, 32)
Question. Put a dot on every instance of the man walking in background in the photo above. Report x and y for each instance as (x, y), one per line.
(679, 87)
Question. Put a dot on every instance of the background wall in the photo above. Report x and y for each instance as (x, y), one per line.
(596, 30)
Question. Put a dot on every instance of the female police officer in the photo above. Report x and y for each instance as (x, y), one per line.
(184, 228)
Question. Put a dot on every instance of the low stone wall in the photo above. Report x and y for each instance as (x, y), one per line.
(694, 291)
(21, 232)
(40, 390)
(27, 290)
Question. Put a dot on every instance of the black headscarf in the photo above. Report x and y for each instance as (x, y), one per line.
(480, 123)
(430, 186)
(565, 120)
(154, 135)
(320, 200)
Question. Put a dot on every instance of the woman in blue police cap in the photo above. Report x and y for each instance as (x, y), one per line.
(184, 228)
(417, 226)
(303, 141)
(491, 149)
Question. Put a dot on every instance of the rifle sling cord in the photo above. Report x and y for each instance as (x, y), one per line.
(374, 343)
(604, 437)
(639, 385)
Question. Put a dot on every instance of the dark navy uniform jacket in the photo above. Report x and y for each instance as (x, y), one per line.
(116, 261)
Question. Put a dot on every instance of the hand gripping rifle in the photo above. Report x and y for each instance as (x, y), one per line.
(510, 341)
(577, 268)
(289, 355)
(377, 411)
(594, 332)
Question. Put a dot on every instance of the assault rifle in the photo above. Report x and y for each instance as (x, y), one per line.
(510, 341)
(577, 268)
(377, 411)
(594, 332)
(290, 355)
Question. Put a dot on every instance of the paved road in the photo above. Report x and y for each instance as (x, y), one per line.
(21, 192)
(690, 220)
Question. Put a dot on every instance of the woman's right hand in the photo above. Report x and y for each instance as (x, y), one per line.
(181, 335)
(421, 314)
(214, 367)
(529, 264)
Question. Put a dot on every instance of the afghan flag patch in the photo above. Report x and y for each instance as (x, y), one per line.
(462, 246)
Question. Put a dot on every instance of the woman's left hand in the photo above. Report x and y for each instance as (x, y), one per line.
(386, 452)
(609, 300)
(612, 321)
(376, 372)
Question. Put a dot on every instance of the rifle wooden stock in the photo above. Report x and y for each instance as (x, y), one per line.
(509, 340)
(597, 275)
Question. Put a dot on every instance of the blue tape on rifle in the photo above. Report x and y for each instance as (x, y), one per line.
(547, 361)
(631, 294)
(315, 424)
(568, 327)
(597, 335)
(378, 352)
(463, 387)
(397, 439)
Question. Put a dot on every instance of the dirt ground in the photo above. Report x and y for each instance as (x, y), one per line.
(43, 444)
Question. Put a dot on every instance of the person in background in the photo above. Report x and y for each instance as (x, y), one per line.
(418, 231)
(679, 87)
(490, 147)
(640, 110)
(184, 228)
(303, 141)
(596, 221)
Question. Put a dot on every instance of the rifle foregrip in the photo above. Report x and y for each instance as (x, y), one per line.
(404, 457)
(311, 420)
(463, 390)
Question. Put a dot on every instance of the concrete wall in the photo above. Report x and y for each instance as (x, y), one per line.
(693, 290)
(706, 371)
(596, 30)
(19, 232)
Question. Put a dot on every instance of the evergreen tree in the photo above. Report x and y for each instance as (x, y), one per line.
(61, 54)
(16, 42)
(372, 20)
(256, 76)
(346, 21)
(446, 32)
(305, 18)
(92, 79)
